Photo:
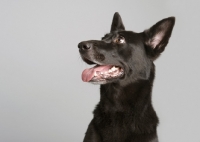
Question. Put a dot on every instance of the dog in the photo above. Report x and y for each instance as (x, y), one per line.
(123, 66)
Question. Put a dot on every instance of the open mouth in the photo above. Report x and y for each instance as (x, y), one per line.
(100, 73)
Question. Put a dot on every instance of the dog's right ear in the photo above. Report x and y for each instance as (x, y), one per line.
(117, 24)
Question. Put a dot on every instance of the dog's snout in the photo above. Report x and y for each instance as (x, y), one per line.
(84, 45)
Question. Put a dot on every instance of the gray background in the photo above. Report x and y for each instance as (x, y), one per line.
(42, 97)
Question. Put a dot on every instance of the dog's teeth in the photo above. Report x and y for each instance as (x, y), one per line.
(97, 73)
(113, 68)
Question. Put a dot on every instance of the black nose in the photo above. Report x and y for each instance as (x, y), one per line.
(84, 45)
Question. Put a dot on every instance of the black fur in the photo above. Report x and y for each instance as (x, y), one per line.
(125, 112)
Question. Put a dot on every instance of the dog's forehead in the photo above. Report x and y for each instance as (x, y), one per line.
(130, 36)
(109, 35)
(119, 33)
(127, 33)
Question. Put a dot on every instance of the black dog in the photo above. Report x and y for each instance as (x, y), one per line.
(124, 66)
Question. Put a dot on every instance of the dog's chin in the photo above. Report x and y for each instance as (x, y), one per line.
(98, 82)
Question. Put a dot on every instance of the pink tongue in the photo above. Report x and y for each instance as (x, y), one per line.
(88, 74)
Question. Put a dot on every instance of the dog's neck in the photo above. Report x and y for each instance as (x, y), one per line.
(122, 98)
(132, 101)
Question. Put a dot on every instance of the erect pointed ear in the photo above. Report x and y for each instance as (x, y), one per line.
(157, 37)
(117, 24)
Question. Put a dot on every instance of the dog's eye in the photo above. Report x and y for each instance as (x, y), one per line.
(120, 40)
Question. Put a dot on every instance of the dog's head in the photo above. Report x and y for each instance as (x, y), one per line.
(124, 56)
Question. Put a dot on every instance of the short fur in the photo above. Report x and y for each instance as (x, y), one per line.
(125, 112)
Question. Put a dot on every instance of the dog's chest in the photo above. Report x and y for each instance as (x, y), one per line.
(115, 127)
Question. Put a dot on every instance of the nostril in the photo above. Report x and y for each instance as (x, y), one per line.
(86, 46)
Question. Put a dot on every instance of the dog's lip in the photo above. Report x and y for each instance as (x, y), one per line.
(88, 61)
(114, 73)
(100, 73)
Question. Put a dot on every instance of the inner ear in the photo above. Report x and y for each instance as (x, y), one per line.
(157, 37)
(117, 24)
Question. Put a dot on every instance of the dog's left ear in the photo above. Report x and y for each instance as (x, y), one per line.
(157, 37)
(117, 24)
